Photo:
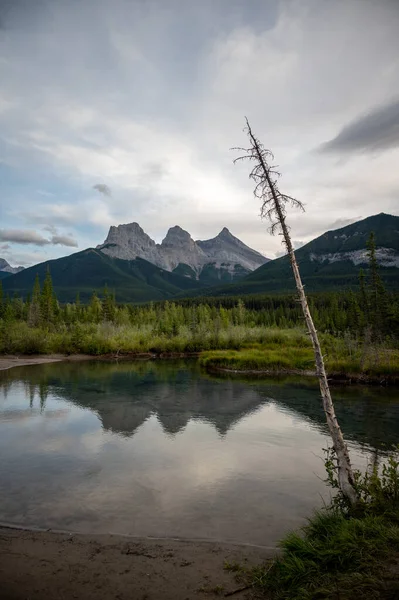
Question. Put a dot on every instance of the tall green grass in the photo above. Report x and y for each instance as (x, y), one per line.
(345, 552)
(107, 337)
(334, 557)
(236, 346)
(290, 350)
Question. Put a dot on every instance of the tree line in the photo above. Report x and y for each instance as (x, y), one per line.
(370, 311)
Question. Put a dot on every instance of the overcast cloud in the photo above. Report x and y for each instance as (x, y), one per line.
(378, 130)
(145, 98)
(23, 236)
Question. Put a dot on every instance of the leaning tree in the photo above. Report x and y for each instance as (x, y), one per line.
(274, 208)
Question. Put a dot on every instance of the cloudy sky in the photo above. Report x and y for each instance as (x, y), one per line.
(113, 111)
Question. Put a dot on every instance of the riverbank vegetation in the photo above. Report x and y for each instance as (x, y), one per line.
(346, 356)
(359, 330)
(343, 553)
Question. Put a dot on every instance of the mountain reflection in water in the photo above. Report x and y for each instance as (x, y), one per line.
(162, 448)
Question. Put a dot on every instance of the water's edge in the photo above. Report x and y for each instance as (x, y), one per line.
(195, 540)
(9, 362)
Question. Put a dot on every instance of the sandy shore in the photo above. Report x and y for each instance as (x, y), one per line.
(45, 566)
(7, 362)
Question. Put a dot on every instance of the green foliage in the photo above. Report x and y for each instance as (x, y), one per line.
(266, 328)
(290, 350)
(342, 553)
(373, 296)
(377, 488)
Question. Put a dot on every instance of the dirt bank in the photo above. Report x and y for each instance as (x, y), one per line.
(46, 565)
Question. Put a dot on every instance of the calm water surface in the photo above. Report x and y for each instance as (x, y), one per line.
(162, 449)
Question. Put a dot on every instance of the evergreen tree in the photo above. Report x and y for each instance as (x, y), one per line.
(108, 305)
(377, 294)
(95, 308)
(47, 300)
(1, 299)
(363, 297)
(34, 314)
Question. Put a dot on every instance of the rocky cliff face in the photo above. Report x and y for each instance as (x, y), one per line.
(6, 268)
(225, 248)
(224, 257)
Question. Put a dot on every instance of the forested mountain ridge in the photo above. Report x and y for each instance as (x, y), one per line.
(330, 262)
(91, 270)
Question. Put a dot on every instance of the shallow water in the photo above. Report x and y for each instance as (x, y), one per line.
(162, 449)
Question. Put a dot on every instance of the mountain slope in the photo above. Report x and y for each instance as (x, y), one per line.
(83, 272)
(330, 262)
(223, 258)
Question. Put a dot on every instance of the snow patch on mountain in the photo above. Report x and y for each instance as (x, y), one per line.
(386, 257)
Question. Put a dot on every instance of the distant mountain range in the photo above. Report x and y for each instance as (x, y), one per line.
(329, 262)
(223, 258)
(138, 269)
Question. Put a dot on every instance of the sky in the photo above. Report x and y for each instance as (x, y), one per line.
(114, 111)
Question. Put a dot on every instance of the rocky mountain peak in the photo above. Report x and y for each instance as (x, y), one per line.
(225, 233)
(7, 268)
(130, 234)
(177, 235)
(178, 250)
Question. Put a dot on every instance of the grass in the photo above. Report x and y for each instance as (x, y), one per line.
(290, 350)
(105, 338)
(345, 552)
(235, 347)
(334, 557)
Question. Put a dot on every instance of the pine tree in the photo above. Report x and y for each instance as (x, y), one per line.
(96, 308)
(377, 293)
(47, 303)
(108, 305)
(1, 300)
(363, 297)
(34, 314)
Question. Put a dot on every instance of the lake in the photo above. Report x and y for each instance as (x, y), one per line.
(160, 448)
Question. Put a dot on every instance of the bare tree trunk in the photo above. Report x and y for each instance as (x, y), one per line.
(274, 207)
(345, 473)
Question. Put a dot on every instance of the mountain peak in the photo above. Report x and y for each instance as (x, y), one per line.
(225, 233)
(177, 235)
(3, 264)
(224, 253)
(7, 268)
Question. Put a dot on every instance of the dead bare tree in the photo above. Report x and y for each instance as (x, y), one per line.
(274, 206)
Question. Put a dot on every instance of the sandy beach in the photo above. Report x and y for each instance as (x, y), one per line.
(42, 565)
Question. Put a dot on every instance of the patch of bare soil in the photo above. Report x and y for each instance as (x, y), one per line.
(47, 565)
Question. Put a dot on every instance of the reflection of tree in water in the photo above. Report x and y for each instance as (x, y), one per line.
(124, 395)
(367, 415)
